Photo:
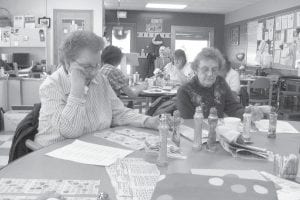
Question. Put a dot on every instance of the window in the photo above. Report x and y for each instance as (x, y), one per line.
(121, 38)
(191, 47)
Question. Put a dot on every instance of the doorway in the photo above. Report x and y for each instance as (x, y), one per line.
(191, 39)
(66, 21)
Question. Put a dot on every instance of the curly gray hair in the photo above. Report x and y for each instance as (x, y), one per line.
(208, 53)
(76, 42)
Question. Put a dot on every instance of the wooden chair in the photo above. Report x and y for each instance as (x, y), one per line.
(288, 97)
(261, 91)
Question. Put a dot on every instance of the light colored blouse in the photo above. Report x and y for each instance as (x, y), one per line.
(65, 116)
(179, 76)
(233, 80)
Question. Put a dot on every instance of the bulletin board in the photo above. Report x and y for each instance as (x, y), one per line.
(274, 41)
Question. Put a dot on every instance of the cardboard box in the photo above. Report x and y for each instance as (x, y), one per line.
(12, 118)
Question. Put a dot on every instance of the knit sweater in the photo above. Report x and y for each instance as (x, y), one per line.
(219, 95)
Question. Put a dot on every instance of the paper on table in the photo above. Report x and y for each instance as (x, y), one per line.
(243, 174)
(121, 139)
(39, 186)
(289, 190)
(14, 197)
(133, 178)
(88, 153)
(282, 126)
(188, 133)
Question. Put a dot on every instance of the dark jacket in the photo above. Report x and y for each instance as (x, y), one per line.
(26, 129)
(219, 95)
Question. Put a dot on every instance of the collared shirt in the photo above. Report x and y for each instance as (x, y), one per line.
(180, 76)
(233, 80)
(115, 77)
(65, 116)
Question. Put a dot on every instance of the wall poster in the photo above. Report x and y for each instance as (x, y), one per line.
(155, 25)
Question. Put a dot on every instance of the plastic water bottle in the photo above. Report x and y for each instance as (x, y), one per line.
(136, 78)
(272, 124)
(212, 136)
(247, 125)
(163, 129)
(198, 121)
(176, 128)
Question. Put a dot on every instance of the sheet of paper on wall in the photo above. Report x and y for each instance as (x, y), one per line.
(282, 126)
(282, 36)
(22, 197)
(278, 23)
(88, 153)
(277, 56)
(266, 35)
(259, 33)
(244, 174)
(290, 36)
(271, 34)
(284, 22)
(298, 19)
(291, 21)
(270, 24)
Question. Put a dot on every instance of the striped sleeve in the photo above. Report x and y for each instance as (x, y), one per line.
(67, 116)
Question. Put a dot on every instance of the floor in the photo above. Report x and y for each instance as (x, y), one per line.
(5, 143)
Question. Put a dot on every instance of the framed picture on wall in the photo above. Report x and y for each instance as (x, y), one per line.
(44, 21)
(235, 35)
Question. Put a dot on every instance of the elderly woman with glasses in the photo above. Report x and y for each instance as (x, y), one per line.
(77, 100)
(210, 90)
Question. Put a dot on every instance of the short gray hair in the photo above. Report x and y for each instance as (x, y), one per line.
(208, 53)
(76, 42)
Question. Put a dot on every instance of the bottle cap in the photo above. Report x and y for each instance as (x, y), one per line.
(199, 109)
(176, 113)
(213, 111)
(248, 109)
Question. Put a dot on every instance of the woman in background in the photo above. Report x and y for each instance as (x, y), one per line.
(179, 71)
(231, 76)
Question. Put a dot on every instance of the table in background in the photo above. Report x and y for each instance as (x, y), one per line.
(37, 165)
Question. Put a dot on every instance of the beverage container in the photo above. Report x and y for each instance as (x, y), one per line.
(136, 78)
(212, 136)
(2, 74)
(272, 124)
(198, 121)
(176, 128)
(163, 129)
(247, 125)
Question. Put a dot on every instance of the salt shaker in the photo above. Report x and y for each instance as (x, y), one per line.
(198, 120)
(272, 124)
(246, 125)
(163, 129)
(212, 123)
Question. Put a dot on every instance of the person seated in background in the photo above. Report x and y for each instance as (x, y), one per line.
(179, 71)
(231, 76)
(111, 57)
(209, 89)
(163, 59)
(77, 100)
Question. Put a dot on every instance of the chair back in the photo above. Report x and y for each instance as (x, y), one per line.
(261, 83)
(26, 129)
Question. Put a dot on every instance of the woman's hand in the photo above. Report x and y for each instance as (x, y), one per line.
(152, 122)
(78, 80)
(50, 196)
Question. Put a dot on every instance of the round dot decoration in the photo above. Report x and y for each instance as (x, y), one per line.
(216, 181)
(238, 188)
(165, 197)
(260, 189)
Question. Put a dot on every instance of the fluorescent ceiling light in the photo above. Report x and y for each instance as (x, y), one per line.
(165, 6)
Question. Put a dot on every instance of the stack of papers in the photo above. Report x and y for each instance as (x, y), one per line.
(288, 190)
(133, 178)
(88, 153)
(282, 126)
